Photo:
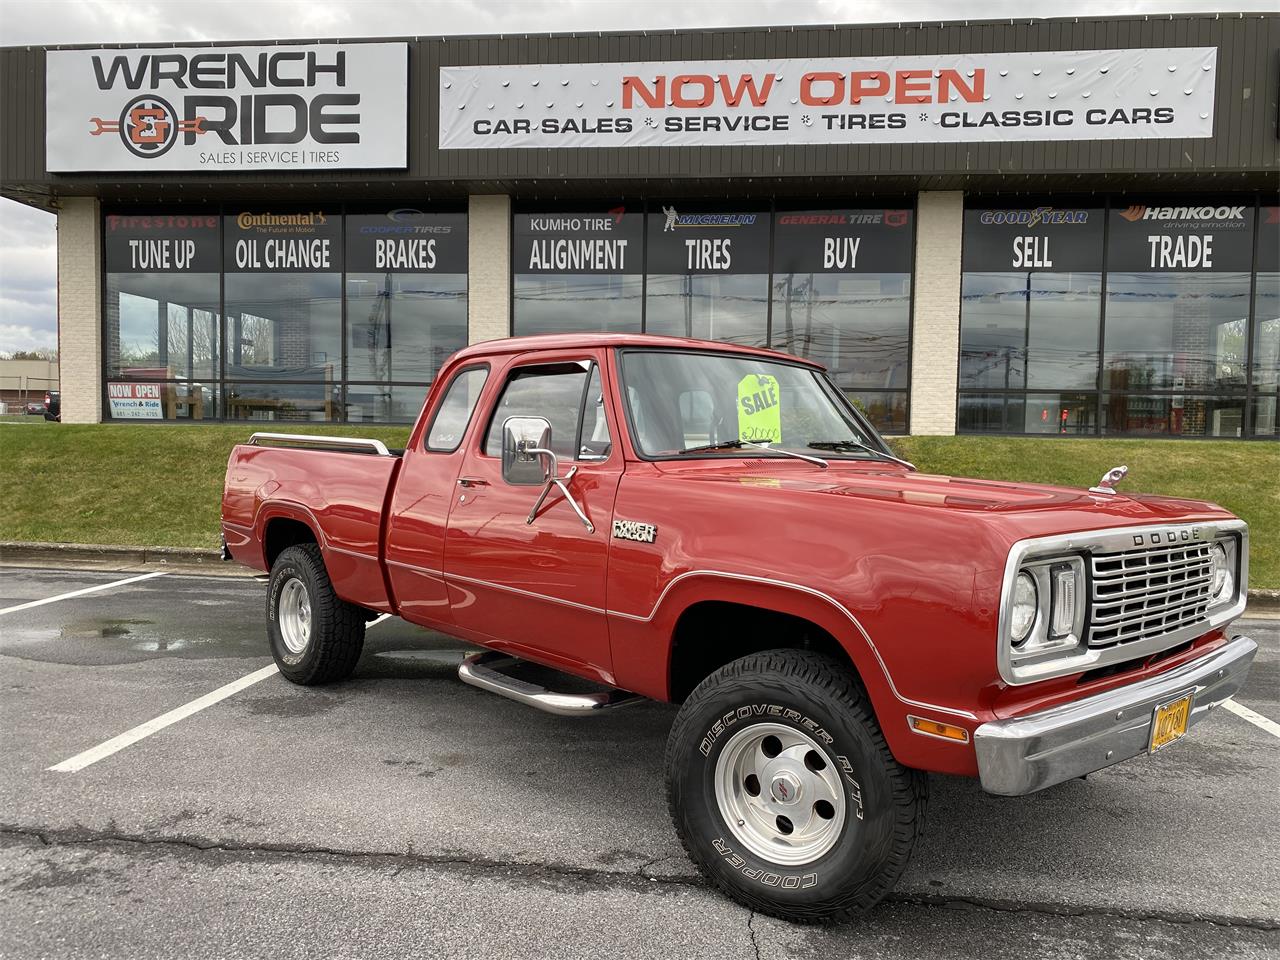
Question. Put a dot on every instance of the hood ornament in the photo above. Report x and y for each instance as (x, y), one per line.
(1109, 480)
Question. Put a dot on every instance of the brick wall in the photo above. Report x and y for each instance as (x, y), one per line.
(489, 264)
(935, 329)
(80, 309)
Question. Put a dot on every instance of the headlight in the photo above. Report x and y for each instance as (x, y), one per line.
(1223, 572)
(1046, 608)
(1026, 604)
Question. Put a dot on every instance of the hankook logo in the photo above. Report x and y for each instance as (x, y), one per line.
(1189, 215)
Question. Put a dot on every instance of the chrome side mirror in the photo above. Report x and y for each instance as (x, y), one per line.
(527, 458)
(526, 451)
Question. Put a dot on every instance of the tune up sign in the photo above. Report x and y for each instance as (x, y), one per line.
(286, 107)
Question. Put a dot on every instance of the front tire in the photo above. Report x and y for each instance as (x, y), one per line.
(316, 637)
(783, 790)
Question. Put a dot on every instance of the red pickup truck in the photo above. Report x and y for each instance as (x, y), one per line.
(718, 527)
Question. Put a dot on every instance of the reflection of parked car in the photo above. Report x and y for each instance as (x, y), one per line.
(53, 406)
(34, 409)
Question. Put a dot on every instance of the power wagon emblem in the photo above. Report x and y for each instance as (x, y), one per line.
(635, 530)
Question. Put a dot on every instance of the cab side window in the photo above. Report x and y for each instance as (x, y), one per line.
(454, 413)
(551, 391)
(595, 443)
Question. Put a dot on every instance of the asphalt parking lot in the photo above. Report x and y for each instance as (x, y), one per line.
(407, 814)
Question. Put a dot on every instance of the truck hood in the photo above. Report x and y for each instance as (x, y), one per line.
(1030, 508)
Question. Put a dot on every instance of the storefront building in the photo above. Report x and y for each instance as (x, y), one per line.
(1019, 228)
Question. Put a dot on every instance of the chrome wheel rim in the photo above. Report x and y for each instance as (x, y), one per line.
(780, 794)
(294, 615)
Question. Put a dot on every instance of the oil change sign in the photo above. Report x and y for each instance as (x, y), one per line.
(938, 98)
(759, 409)
(286, 107)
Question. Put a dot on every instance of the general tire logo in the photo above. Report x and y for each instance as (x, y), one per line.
(635, 530)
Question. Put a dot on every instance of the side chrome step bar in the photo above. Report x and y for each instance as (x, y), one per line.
(481, 670)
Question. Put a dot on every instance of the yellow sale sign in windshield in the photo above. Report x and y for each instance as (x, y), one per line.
(759, 409)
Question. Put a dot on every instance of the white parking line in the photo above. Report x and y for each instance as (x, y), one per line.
(81, 593)
(1257, 719)
(142, 731)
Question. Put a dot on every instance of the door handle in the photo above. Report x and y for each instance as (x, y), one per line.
(472, 482)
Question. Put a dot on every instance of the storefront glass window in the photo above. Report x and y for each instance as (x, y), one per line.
(161, 315)
(406, 307)
(1266, 327)
(842, 297)
(1177, 317)
(578, 269)
(708, 273)
(1030, 308)
(283, 289)
(1181, 354)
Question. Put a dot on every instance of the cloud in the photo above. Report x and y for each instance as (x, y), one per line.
(20, 336)
(28, 278)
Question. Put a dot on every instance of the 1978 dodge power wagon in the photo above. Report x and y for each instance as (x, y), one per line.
(718, 527)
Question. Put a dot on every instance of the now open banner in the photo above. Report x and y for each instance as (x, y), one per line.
(943, 98)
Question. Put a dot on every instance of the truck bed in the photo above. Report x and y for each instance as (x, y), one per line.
(337, 486)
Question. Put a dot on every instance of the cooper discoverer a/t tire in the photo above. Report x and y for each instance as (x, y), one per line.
(783, 790)
(316, 637)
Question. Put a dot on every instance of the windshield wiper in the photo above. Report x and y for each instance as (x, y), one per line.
(739, 444)
(857, 445)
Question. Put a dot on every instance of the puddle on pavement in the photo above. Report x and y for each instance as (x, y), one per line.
(108, 641)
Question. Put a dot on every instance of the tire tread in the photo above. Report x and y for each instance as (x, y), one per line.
(337, 626)
(910, 787)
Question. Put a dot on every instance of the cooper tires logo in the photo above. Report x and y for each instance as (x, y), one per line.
(148, 127)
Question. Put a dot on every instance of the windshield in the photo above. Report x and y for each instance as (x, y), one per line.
(708, 404)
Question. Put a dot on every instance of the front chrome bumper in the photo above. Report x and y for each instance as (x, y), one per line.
(1026, 754)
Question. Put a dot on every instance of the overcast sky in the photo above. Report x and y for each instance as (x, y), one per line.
(27, 241)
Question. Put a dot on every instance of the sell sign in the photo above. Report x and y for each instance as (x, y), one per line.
(938, 98)
(285, 107)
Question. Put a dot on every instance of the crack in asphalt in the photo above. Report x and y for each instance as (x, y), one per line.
(751, 929)
(401, 859)
(637, 878)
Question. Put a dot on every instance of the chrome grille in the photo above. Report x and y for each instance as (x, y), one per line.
(1145, 593)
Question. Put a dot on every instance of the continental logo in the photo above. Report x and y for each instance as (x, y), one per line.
(1189, 215)
(252, 221)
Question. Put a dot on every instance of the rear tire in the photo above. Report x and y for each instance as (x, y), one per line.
(786, 746)
(316, 637)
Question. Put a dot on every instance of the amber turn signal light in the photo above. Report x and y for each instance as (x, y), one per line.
(933, 728)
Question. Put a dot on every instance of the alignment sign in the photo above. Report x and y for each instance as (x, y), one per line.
(943, 98)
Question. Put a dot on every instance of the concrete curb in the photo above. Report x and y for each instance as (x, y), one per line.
(119, 557)
(107, 556)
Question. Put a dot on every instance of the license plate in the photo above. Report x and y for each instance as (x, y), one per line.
(1170, 722)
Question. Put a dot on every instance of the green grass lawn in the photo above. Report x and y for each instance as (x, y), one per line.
(149, 485)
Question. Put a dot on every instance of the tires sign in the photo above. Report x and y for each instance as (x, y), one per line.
(285, 107)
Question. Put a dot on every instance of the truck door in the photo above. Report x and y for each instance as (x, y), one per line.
(423, 495)
(538, 589)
